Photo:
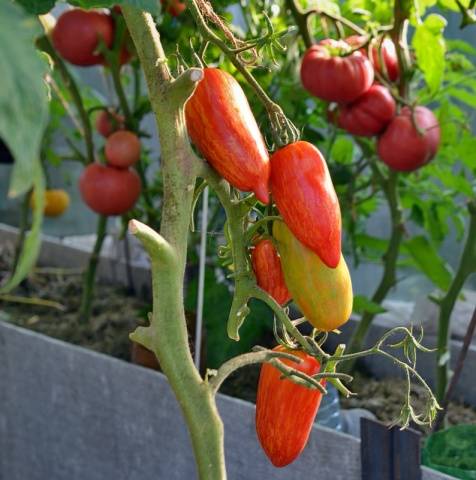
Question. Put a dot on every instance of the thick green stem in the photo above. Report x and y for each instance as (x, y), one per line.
(466, 267)
(167, 335)
(390, 258)
(87, 294)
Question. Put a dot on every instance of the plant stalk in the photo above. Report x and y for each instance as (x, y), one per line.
(466, 267)
(167, 334)
(90, 274)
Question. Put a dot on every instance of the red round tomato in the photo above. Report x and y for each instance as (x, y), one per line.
(388, 52)
(330, 73)
(174, 7)
(222, 126)
(108, 190)
(369, 114)
(303, 191)
(404, 147)
(122, 149)
(107, 122)
(76, 36)
(269, 274)
(285, 411)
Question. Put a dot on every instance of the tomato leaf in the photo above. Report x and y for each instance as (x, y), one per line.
(23, 96)
(363, 304)
(152, 6)
(430, 49)
(429, 262)
(32, 243)
(37, 7)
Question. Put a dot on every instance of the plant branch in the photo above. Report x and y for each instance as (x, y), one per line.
(466, 267)
(45, 45)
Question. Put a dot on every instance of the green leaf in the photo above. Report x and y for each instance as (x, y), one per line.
(23, 96)
(32, 243)
(429, 262)
(37, 7)
(430, 49)
(343, 150)
(152, 6)
(363, 304)
(449, 4)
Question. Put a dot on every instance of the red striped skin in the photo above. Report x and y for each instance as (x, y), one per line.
(334, 78)
(285, 411)
(269, 274)
(304, 194)
(369, 114)
(222, 126)
(402, 147)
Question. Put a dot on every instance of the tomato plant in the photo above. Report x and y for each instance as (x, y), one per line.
(332, 72)
(305, 197)
(411, 140)
(269, 274)
(77, 34)
(122, 149)
(222, 126)
(369, 114)
(108, 190)
(285, 411)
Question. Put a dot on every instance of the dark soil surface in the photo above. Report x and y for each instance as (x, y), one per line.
(55, 295)
(117, 313)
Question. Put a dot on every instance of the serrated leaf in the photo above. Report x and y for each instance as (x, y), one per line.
(23, 96)
(429, 262)
(363, 304)
(430, 49)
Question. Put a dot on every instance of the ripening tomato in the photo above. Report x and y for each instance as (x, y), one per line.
(369, 114)
(77, 33)
(56, 202)
(285, 411)
(107, 122)
(403, 147)
(222, 126)
(122, 149)
(388, 52)
(267, 268)
(329, 72)
(303, 191)
(174, 7)
(323, 294)
(108, 190)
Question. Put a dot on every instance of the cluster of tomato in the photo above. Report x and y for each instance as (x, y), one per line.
(342, 72)
(309, 267)
(112, 188)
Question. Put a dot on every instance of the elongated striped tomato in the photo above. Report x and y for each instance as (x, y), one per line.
(285, 411)
(222, 126)
(303, 191)
(324, 295)
(268, 271)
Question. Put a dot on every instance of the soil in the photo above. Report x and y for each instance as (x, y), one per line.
(56, 295)
(116, 313)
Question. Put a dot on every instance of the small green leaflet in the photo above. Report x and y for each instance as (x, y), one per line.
(430, 48)
(363, 304)
(429, 262)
